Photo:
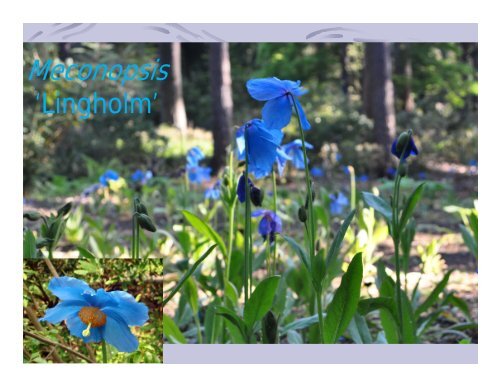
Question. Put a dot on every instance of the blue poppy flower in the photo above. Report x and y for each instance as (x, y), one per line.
(194, 156)
(108, 175)
(141, 177)
(317, 172)
(262, 146)
(96, 315)
(422, 175)
(294, 151)
(411, 149)
(198, 174)
(269, 225)
(278, 95)
(345, 170)
(213, 193)
(338, 157)
(337, 203)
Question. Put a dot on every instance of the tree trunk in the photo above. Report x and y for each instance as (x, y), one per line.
(380, 96)
(173, 111)
(343, 64)
(222, 102)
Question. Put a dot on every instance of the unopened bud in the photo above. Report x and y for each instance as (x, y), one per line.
(402, 142)
(269, 328)
(64, 210)
(256, 196)
(402, 169)
(145, 222)
(32, 216)
(302, 214)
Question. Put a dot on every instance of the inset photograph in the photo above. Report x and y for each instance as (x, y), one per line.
(92, 311)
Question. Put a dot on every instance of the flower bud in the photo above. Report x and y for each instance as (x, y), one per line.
(145, 222)
(302, 214)
(402, 142)
(403, 169)
(64, 210)
(269, 328)
(32, 216)
(256, 196)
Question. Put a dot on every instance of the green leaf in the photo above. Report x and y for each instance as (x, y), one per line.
(366, 306)
(318, 270)
(410, 205)
(188, 274)
(345, 301)
(86, 253)
(334, 250)
(469, 240)
(293, 337)
(358, 329)
(388, 317)
(29, 245)
(299, 251)
(233, 318)
(206, 230)
(434, 295)
(409, 329)
(260, 301)
(302, 323)
(461, 305)
(378, 204)
(191, 291)
(171, 331)
(231, 292)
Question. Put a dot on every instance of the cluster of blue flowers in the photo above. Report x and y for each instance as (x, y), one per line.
(139, 177)
(259, 141)
(96, 315)
(197, 174)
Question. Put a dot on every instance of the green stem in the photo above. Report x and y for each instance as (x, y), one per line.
(230, 239)
(248, 225)
(104, 352)
(275, 208)
(310, 207)
(395, 237)
(320, 317)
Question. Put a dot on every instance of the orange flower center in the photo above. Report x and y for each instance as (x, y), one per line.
(93, 316)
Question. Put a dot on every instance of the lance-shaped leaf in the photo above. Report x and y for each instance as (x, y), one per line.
(379, 205)
(345, 301)
(260, 301)
(205, 229)
(410, 205)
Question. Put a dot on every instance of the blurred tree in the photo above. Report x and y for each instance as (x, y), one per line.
(379, 97)
(173, 110)
(222, 101)
(404, 69)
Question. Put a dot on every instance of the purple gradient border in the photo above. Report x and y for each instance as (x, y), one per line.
(250, 32)
(320, 354)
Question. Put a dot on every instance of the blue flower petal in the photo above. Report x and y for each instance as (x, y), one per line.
(302, 116)
(69, 288)
(117, 333)
(265, 89)
(132, 311)
(76, 328)
(63, 311)
(277, 113)
(265, 226)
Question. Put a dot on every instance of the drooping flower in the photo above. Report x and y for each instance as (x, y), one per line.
(338, 202)
(279, 95)
(256, 195)
(317, 172)
(262, 146)
(269, 225)
(96, 315)
(294, 151)
(398, 146)
(194, 156)
(213, 193)
(108, 175)
(140, 177)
